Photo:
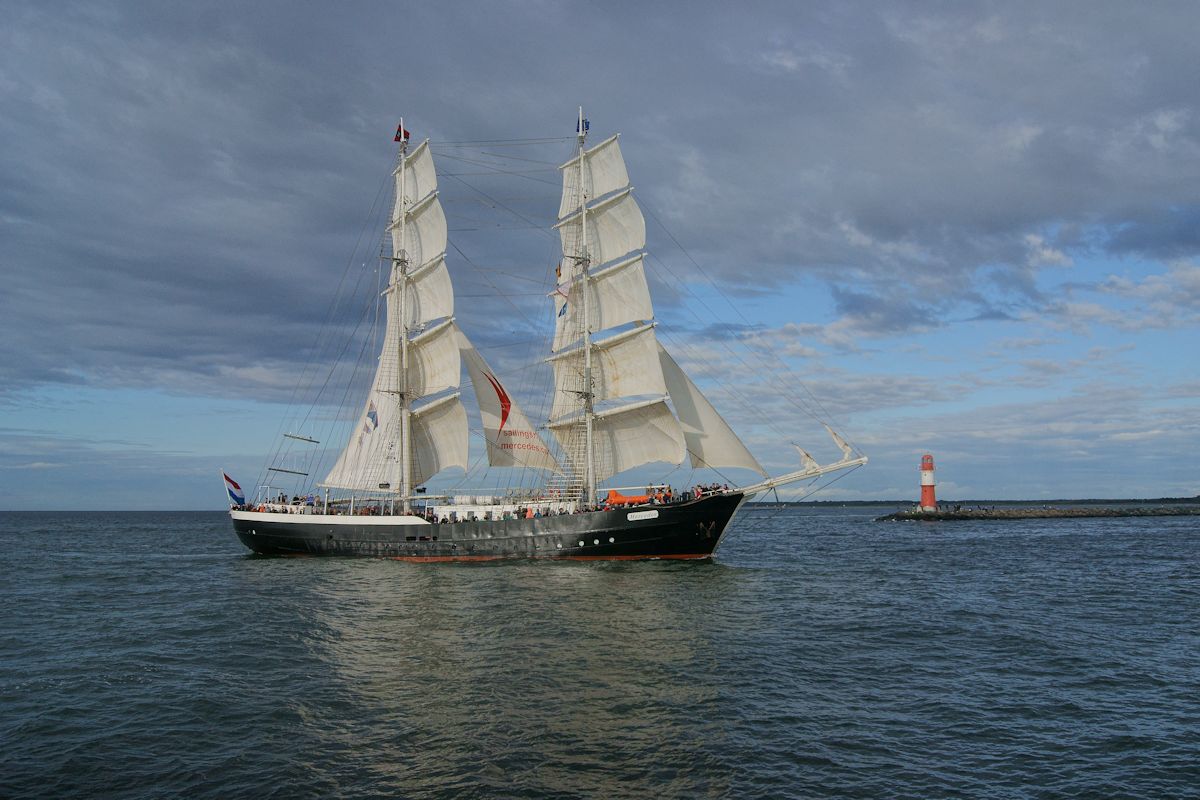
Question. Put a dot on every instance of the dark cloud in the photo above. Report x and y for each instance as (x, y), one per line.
(1166, 233)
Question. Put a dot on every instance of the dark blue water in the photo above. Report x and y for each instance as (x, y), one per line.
(145, 655)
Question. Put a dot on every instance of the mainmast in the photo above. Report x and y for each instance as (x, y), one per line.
(589, 413)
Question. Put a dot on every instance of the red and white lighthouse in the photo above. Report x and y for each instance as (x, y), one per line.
(928, 500)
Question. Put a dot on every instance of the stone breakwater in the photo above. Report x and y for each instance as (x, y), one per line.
(992, 512)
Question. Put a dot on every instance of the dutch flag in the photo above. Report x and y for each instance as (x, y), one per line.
(235, 491)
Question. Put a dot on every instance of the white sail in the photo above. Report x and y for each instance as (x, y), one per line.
(616, 295)
(628, 436)
(434, 364)
(421, 234)
(620, 400)
(439, 438)
(415, 179)
(622, 366)
(371, 457)
(430, 294)
(603, 172)
(614, 227)
(710, 440)
(511, 440)
(806, 460)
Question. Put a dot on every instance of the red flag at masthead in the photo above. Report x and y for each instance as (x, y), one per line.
(401, 133)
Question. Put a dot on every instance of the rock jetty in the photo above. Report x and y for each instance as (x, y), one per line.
(1045, 512)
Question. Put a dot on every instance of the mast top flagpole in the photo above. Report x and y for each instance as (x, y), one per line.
(402, 136)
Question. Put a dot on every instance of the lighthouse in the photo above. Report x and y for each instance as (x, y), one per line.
(928, 500)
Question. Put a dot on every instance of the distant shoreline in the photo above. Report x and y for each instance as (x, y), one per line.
(956, 512)
(1144, 501)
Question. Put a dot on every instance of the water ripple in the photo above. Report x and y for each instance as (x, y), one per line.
(822, 654)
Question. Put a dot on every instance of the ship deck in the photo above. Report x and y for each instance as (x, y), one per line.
(690, 529)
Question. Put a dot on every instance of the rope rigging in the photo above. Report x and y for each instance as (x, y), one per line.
(335, 338)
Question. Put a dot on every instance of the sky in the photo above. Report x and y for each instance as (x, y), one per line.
(966, 228)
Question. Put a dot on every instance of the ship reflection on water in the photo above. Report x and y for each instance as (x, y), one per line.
(579, 676)
(823, 654)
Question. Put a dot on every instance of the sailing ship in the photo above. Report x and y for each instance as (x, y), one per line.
(620, 401)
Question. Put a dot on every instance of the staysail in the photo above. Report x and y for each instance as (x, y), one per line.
(511, 440)
(710, 440)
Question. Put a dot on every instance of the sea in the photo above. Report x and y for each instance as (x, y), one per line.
(820, 654)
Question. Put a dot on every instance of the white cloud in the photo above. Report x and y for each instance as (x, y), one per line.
(1041, 254)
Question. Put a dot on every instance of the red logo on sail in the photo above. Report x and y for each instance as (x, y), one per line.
(505, 402)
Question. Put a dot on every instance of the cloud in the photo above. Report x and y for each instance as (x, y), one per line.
(172, 173)
(184, 188)
(1003, 450)
(1172, 298)
(1041, 254)
(1158, 301)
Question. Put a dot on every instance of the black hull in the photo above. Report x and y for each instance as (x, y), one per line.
(688, 530)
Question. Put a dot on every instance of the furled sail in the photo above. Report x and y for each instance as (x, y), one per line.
(617, 295)
(624, 365)
(603, 172)
(710, 440)
(511, 440)
(628, 436)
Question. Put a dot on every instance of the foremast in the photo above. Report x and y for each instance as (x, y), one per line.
(413, 424)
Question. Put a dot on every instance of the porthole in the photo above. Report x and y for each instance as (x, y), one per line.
(595, 541)
(581, 542)
(611, 540)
